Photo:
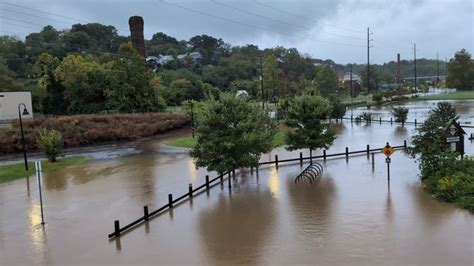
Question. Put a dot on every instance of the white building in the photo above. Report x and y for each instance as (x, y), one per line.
(9, 102)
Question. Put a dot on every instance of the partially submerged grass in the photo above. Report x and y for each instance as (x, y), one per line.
(189, 142)
(458, 95)
(11, 172)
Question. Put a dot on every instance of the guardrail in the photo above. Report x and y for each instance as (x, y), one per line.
(211, 182)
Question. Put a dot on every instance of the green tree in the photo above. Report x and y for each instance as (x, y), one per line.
(7, 83)
(338, 109)
(232, 132)
(461, 71)
(273, 88)
(430, 141)
(326, 81)
(53, 100)
(306, 114)
(130, 89)
(85, 81)
(400, 114)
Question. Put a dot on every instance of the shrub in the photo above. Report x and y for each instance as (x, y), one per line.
(367, 117)
(82, 130)
(51, 143)
(377, 97)
(400, 113)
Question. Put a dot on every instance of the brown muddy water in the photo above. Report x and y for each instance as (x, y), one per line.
(351, 216)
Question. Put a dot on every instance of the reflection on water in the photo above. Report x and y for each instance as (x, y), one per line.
(273, 181)
(235, 230)
(311, 207)
(401, 132)
(389, 210)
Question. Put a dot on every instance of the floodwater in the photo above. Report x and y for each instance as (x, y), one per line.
(351, 216)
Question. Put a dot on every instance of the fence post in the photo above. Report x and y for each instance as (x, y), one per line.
(207, 182)
(117, 228)
(380, 119)
(405, 144)
(222, 177)
(301, 159)
(415, 122)
(145, 212)
(276, 161)
(190, 190)
(368, 151)
(347, 153)
(233, 172)
(251, 170)
(351, 118)
(324, 155)
(391, 121)
(170, 201)
(230, 184)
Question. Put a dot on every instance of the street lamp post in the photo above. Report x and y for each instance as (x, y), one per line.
(192, 117)
(25, 112)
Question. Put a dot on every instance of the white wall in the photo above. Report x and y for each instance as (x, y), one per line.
(9, 105)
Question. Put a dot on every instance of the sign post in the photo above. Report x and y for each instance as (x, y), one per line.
(455, 137)
(39, 176)
(388, 151)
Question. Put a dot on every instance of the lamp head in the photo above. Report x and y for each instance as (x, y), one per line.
(25, 112)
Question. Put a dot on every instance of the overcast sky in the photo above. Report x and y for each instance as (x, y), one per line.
(325, 29)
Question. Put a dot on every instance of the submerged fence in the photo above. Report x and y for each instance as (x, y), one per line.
(391, 121)
(211, 182)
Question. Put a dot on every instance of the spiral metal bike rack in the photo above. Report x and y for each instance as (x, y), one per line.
(310, 174)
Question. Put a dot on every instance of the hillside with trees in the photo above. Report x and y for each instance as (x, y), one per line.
(90, 68)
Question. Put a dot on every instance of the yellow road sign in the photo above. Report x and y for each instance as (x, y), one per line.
(388, 150)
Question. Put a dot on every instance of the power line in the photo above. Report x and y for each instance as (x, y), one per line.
(249, 25)
(280, 21)
(36, 16)
(45, 12)
(306, 18)
(53, 14)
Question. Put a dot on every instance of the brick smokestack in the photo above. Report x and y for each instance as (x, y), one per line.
(399, 77)
(136, 34)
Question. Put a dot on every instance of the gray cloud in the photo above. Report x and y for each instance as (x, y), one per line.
(321, 28)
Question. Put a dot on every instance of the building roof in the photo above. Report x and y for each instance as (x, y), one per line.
(347, 77)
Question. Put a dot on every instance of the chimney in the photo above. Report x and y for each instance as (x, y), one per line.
(399, 77)
(136, 34)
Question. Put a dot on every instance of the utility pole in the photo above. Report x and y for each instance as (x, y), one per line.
(352, 92)
(446, 67)
(261, 83)
(368, 60)
(414, 53)
(437, 69)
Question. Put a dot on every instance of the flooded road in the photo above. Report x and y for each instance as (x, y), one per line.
(351, 216)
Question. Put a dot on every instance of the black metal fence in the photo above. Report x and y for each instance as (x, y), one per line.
(391, 121)
(211, 182)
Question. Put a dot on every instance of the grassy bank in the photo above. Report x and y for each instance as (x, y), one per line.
(458, 95)
(189, 142)
(14, 171)
(80, 130)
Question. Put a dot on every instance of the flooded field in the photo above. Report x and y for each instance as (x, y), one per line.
(352, 215)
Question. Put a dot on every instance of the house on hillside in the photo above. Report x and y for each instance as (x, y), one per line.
(356, 83)
(155, 62)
